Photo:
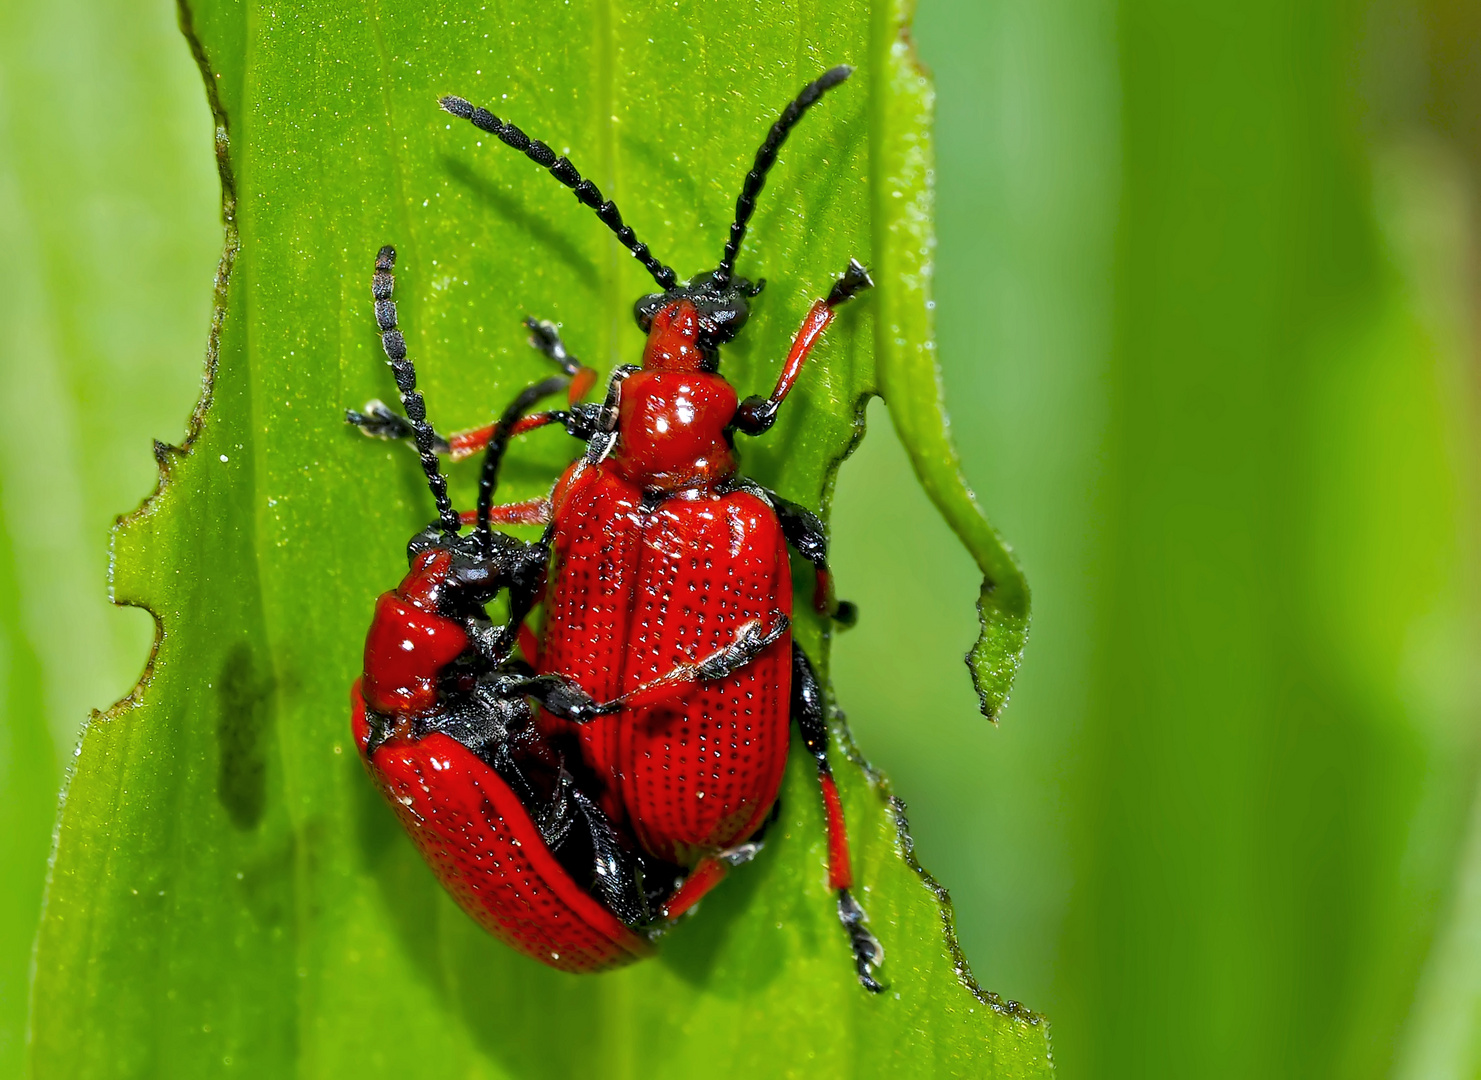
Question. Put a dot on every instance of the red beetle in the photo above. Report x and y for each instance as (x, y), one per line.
(662, 552)
(443, 721)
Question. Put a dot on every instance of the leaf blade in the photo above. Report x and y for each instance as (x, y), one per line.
(268, 855)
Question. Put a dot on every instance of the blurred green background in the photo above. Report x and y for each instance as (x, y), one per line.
(1205, 297)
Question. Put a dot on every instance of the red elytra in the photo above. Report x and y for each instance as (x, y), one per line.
(487, 852)
(635, 592)
(662, 555)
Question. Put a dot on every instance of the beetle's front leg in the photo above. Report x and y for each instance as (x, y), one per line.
(757, 414)
(545, 338)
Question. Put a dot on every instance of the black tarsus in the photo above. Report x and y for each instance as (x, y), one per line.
(867, 950)
(405, 373)
(744, 649)
(560, 696)
(854, 280)
(561, 168)
(545, 338)
(755, 180)
(380, 421)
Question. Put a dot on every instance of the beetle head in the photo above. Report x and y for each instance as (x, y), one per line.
(479, 567)
(704, 313)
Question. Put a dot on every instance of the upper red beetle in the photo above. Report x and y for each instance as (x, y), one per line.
(663, 555)
(442, 718)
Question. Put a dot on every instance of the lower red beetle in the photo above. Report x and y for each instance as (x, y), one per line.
(662, 551)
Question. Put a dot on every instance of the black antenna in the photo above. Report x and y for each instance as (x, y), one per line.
(488, 480)
(406, 382)
(745, 206)
(562, 169)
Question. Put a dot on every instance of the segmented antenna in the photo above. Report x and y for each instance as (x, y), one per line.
(562, 169)
(488, 480)
(745, 205)
(406, 382)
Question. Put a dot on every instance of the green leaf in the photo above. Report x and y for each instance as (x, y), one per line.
(909, 379)
(28, 778)
(228, 892)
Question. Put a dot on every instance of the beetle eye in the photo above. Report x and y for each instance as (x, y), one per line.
(722, 321)
(647, 307)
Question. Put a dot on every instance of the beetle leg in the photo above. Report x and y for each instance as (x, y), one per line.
(757, 414)
(545, 338)
(750, 641)
(617, 880)
(808, 536)
(807, 708)
(380, 421)
(562, 697)
(558, 696)
(530, 512)
(707, 873)
(463, 444)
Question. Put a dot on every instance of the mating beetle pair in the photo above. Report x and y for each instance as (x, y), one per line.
(665, 673)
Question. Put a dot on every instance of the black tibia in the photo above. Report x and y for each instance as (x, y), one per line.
(576, 830)
(810, 713)
(868, 953)
(854, 281)
(755, 180)
(580, 836)
(616, 879)
(546, 340)
(807, 535)
(382, 285)
(585, 191)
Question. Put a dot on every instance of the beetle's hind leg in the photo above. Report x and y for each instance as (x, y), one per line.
(807, 708)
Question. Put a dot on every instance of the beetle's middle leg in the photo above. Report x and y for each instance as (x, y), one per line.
(808, 536)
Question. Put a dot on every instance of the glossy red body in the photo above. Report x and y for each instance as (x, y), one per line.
(468, 824)
(409, 644)
(487, 852)
(640, 586)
